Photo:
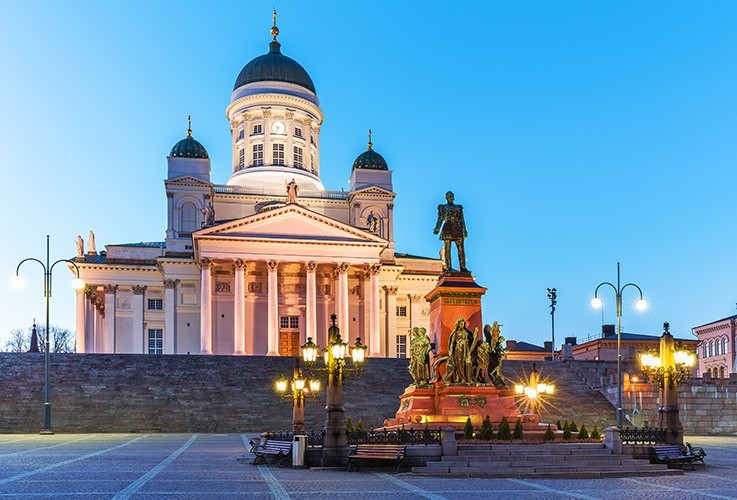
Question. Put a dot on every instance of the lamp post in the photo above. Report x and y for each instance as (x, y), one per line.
(77, 284)
(533, 391)
(641, 305)
(670, 366)
(553, 296)
(298, 387)
(334, 355)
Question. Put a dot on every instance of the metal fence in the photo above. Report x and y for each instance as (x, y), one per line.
(643, 435)
(401, 436)
(314, 438)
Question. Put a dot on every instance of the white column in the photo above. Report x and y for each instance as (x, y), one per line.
(139, 345)
(108, 343)
(205, 306)
(170, 316)
(391, 321)
(311, 302)
(343, 310)
(89, 325)
(80, 324)
(239, 309)
(374, 335)
(273, 309)
(414, 311)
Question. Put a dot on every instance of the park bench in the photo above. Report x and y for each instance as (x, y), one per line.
(697, 451)
(279, 452)
(672, 454)
(376, 452)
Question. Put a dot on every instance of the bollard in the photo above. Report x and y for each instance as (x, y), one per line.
(448, 443)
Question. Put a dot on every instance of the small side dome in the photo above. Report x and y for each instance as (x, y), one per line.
(370, 159)
(189, 147)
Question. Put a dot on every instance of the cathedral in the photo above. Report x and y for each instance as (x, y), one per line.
(257, 265)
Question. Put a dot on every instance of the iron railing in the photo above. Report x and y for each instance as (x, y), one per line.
(642, 435)
(401, 436)
(314, 438)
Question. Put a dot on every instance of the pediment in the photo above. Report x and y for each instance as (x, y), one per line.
(291, 223)
(373, 191)
(187, 180)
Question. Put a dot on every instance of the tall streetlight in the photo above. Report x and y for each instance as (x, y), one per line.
(641, 305)
(297, 389)
(77, 284)
(553, 296)
(334, 356)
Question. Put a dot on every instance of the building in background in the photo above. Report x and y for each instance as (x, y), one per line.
(716, 347)
(257, 265)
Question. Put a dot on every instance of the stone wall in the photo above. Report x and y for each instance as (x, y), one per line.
(145, 393)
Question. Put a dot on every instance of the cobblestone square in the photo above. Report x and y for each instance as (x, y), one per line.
(205, 466)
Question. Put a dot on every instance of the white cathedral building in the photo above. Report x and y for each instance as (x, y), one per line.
(257, 265)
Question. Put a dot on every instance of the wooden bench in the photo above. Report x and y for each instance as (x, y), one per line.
(672, 454)
(376, 452)
(697, 451)
(279, 452)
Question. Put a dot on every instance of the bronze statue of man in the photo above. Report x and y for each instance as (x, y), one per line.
(452, 229)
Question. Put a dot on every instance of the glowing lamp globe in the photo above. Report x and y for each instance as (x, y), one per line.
(78, 283)
(299, 384)
(281, 385)
(309, 351)
(338, 350)
(17, 281)
(596, 303)
(519, 389)
(641, 305)
(358, 353)
(315, 385)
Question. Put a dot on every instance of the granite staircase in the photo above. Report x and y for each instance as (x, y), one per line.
(564, 460)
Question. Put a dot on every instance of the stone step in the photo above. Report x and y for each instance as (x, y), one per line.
(554, 475)
(588, 464)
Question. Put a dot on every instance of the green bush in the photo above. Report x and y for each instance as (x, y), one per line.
(518, 430)
(567, 434)
(573, 426)
(348, 425)
(505, 432)
(549, 434)
(583, 433)
(559, 425)
(360, 427)
(487, 431)
(468, 429)
(594, 434)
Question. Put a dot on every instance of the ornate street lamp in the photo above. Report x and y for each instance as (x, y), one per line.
(666, 368)
(553, 296)
(298, 389)
(335, 366)
(533, 391)
(78, 284)
(641, 305)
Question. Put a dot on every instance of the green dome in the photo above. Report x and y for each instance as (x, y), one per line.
(188, 148)
(370, 160)
(274, 66)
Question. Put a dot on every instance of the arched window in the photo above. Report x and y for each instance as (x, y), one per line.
(714, 372)
(705, 349)
(717, 347)
(724, 345)
(721, 372)
(711, 348)
(189, 218)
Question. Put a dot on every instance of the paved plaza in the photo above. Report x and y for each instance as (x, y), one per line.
(206, 466)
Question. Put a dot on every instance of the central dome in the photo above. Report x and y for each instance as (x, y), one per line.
(274, 66)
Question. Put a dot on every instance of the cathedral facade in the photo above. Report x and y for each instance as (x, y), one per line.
(257, 265)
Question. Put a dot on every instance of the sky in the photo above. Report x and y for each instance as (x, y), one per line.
(576, 135)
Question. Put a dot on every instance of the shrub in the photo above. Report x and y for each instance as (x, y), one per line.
(487, 431)
(583, 433)
(505, 432)
(559, 425)
(567, 434)
(594, 434)
(549, 434)
(360, 427)
(573, 426)
(468, 429)
(518, 430)
(348, 425)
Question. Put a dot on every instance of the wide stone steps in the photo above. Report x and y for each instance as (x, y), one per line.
(581, 460)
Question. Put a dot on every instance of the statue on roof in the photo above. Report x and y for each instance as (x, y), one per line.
(91, 248)
(452, 229)
(372, 222)
(80, 246)
(292, 191)
(209, 213)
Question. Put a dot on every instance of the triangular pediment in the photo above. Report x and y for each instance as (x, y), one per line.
(290, 223)
(186, 180)
(374, 191)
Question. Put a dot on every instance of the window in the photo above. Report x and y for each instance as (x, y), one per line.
(724, 345)
(278, 154)
(189, 218)
(289, 322)
(402, 311)
(297, 157)
(401, 346)
(155, 304)
(312, 139)
(704, 350)
(297, 132)
(717, 346)
(312, 162)
(711, 348)
(155, 341)
(241, 134)
(258, 129)
(258, 154)
(241, 158)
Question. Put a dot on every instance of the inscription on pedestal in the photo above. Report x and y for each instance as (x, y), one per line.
(460, 302)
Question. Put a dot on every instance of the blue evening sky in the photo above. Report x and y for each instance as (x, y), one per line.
(575, 133)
